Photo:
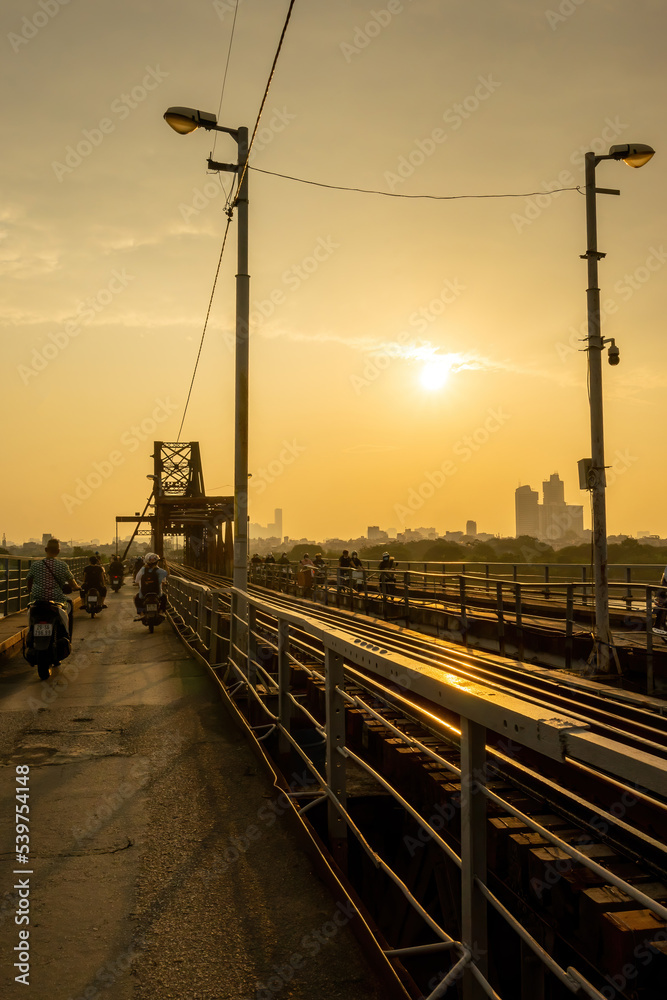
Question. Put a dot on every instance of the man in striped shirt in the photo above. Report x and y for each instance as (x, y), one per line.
(45, 580)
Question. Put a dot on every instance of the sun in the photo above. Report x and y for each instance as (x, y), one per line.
(434, 374)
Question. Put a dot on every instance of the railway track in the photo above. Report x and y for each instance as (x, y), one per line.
(616, 822)
(642, 728)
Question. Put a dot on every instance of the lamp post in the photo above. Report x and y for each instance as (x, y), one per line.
(635, 155)
(185, 120)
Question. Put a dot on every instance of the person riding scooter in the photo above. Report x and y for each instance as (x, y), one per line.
(95, 577)
(46, 579)
(116, 568)
(150, 579)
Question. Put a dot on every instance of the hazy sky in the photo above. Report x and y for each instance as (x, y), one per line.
(112, 226)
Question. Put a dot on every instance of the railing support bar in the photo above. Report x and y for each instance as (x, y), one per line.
(335, 724)
(473, 853)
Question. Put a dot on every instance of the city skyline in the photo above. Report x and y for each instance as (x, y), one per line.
(552, 520)
(410, 357)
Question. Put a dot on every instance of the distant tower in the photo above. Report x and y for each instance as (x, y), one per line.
(553, 513)
(526, 505)
(278, 519)
(553, 491)
(471, 528)
(4, 540)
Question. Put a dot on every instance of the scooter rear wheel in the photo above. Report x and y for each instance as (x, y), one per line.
(43, 671)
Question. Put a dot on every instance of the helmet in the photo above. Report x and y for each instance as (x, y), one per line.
(385, 555)
(306, 556)
(151, 558)
(354, 553)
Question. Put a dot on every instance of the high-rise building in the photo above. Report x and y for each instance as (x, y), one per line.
(553, 490)
(527, 509)
(277, 526)
(471, 528)
(553, 520)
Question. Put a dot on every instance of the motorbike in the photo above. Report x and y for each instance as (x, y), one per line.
(149, 607)
(48, 640)
(116, 582)
(92, 602)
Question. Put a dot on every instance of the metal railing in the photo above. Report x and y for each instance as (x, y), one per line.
(14, 595)
(344, 665)
(407, 594)
(526, 572)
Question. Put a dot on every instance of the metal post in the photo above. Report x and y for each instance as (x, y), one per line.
(284, 671)
(597, 479)
(501, 617)
(335, 708)
(464, 615)
(473, 853)
(518, 614)
(201, 615)
(233, 624)
(569, 616)
(214, 642)
(6, 601)
(241, 391)
(649, 641)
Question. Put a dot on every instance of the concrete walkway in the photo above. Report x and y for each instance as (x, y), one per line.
(158, 867)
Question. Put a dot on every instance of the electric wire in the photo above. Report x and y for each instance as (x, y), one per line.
(224, 78)
(266, 94)
(227, 194)
(240, 180)
(208, 313)
(399, 194)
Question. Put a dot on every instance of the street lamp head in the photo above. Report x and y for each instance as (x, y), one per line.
(184, 120)
(635, 154)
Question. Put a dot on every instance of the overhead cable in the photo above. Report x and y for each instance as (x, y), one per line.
(266, 92)
(208, 313)
(398, 194)
(222, 94)
(240, 180)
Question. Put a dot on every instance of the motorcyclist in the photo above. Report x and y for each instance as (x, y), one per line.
(45, 581)
(344, 564)
(95, 577)
(138, 564)
(357, 571)
(387, 575)
(150, 579)
(116, 567)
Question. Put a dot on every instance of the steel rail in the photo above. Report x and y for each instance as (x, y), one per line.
(426, 650)
(554, 737)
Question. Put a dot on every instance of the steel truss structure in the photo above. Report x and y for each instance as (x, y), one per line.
(178, 505)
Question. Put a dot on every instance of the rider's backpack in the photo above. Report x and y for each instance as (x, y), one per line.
(150, 581)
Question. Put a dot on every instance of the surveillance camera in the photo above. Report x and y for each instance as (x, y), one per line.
(614, 355)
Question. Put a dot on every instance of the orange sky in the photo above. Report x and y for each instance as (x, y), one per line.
(112, 226)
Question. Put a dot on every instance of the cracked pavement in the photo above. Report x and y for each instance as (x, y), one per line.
(157, 870)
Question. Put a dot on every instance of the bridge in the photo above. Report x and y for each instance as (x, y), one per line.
(485, 815)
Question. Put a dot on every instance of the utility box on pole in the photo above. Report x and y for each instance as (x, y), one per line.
(584, 466)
